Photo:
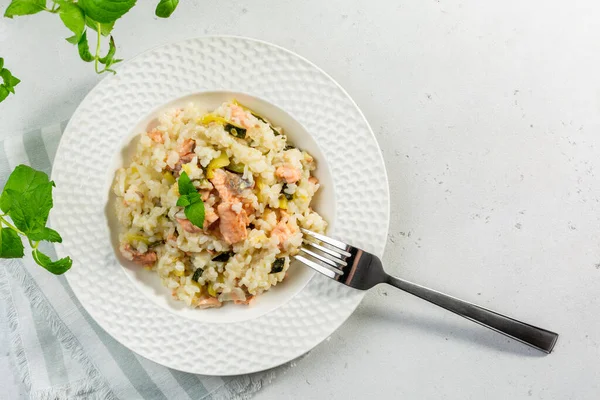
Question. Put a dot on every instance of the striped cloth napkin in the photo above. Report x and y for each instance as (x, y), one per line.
(59, 352)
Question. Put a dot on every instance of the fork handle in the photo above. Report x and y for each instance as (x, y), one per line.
(533, 336)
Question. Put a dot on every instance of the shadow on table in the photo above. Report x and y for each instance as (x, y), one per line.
(462, 330)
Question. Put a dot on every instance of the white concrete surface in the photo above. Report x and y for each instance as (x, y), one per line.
(488, 117)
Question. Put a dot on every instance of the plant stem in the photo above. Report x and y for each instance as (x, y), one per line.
(11, 226)
(97, 56)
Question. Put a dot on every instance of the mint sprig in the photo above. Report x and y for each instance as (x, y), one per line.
(78, 16)
(190, 200)
(27, 200)
(8, 81)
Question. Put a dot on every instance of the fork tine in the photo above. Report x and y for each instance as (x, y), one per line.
(318, 267)
(332, 242)
(325, 250)
(334, 263)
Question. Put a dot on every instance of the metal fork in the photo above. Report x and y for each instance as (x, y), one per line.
(361, 270)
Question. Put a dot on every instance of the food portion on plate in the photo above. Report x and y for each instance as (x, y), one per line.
(213, 202)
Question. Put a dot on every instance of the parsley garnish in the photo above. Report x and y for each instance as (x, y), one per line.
(27, 200)
(190, 200)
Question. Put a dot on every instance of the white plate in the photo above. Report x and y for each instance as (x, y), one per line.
(129, 304)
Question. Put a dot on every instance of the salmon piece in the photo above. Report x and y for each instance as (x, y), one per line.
(246, 302)
(205, 194)
(229, 185)
(248, 207)
(187, 147)
(232, 224)
(156, 136)
(210, 217)
(288, 173)
(187, 226)
(146, 259)
(313, 180)
(184, 159)
(208, 302)
(282, 231)
(240, 114)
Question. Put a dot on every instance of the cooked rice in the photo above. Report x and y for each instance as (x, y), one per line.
(153, 226)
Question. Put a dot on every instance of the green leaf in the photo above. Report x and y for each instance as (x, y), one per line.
(84, 48)
(73, 18)
(73, 39)
(277, 265)
(106, 10)
(165, 8)
(108, 58)
(24, 7)
(10, 244)
(105, 28)
(29, 211)
(3, 92)
(56, 267)
(1, 62)
(47, 234)
(194, 197)
(183, 201)
(197, 274)
(14, 81)
(9, 80)
(22, 180)
(185, 185)
(195, 213)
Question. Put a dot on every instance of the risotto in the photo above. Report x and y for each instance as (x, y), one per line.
(213, 202)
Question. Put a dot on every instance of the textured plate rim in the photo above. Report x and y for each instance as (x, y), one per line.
(385, 229)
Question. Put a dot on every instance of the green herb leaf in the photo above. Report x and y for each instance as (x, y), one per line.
(105, 28)
(3, 92)
(24, 7)
(185, 184)
(197, 274)
(194, 197)
(22, 180)
(29, 211)
(56, 267)
(47, 234)
(108, 58)
(10, 244)
(73, 18)
(9, 80)
(286, 195)
(223, 257)
(106, 10)
(27, 199)
(235, 131)
(195, 213)
(165, 8)
(277, 265)
(183, 201)
(84, 48)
